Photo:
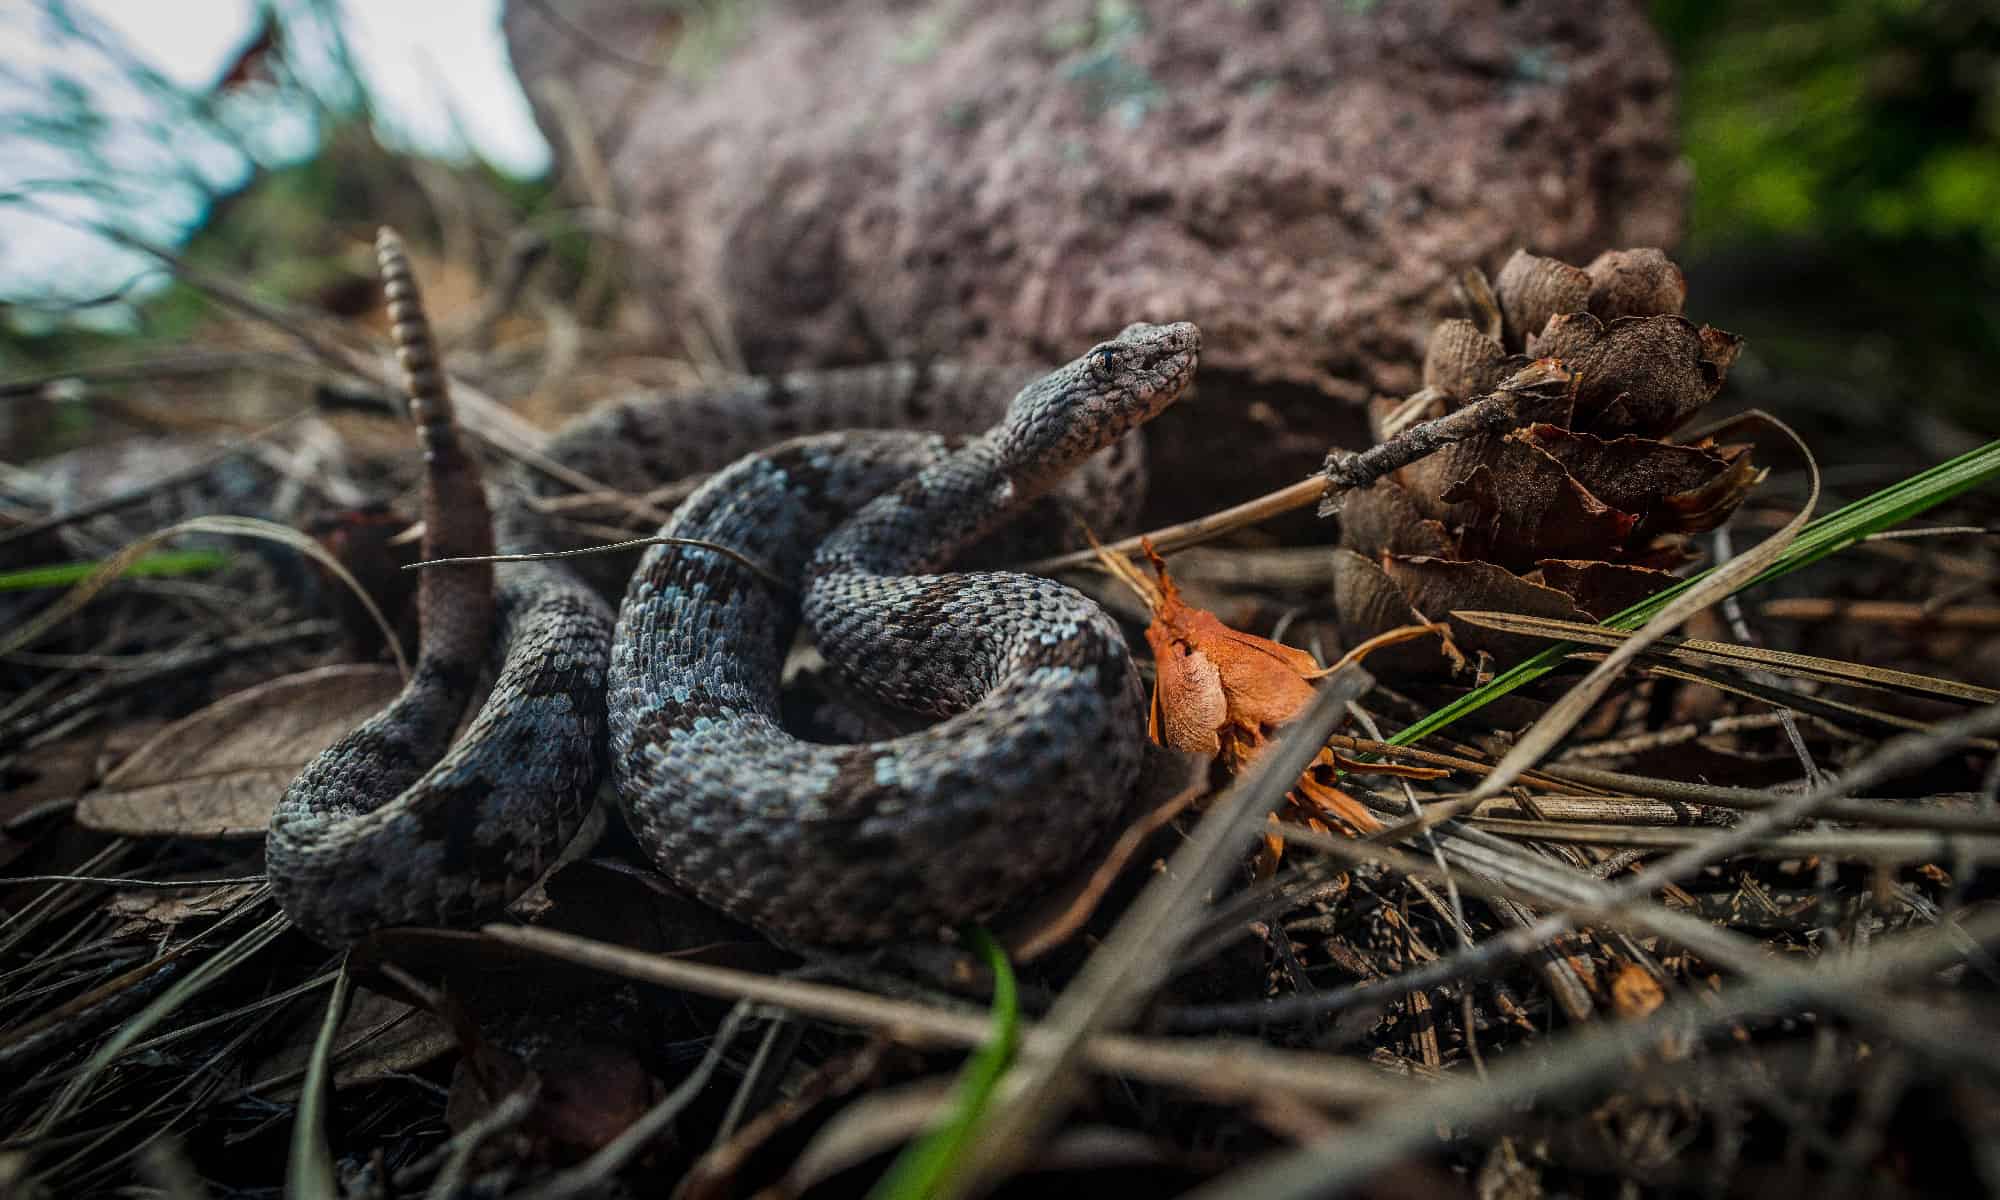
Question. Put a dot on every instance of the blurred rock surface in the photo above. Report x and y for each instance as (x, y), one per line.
(862, 179)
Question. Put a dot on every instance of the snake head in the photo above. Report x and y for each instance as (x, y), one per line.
(1078, 409)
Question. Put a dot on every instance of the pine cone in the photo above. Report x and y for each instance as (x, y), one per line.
(1578, 507)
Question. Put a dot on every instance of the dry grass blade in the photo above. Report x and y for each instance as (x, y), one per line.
(32, 1040)
(309, 1168)
(1192, 533)
(168, 1002)
(1832, 714)
(737, 556)
(1139, 952)
(1580, 699)
(1883, 612)
(1729, 654)
(270, 531)
(1873, 846)
(478, 413)
(1229, 1071)
(1583, 1061)
(1561, 776)
(194, 471)
(1579, 897)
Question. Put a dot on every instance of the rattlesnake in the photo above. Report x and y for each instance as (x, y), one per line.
(1040, 739)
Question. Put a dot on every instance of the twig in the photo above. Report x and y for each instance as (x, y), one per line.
(1625, 899)
(1542, 380)
(1883, 612)
(1897, 846)
(1347, 471)
(1140, 952)
(1228, 1072)
(1566, 1066)
(592, 1175)
(166, 666)
(759, 569)
(189, 474)
(1201, 529)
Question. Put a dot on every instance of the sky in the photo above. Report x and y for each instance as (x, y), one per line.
(437, 71)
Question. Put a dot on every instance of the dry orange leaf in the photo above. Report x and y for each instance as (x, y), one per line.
(1634, 993)
(1224, 692)
(1215, 682)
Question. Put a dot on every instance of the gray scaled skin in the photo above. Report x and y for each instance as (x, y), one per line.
(1043, 718)
(400, 824)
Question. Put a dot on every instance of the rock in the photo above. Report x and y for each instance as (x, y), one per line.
(860, 179)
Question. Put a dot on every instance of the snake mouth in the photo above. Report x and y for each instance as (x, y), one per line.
(1078, 409)
(1157, 363)
(1185, 340)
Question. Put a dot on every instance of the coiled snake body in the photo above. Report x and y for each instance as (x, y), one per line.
(1040, 739)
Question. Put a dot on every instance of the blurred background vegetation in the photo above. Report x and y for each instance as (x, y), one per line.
(1845, 211)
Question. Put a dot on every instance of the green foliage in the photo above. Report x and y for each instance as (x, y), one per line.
(1830, 118)
(167, 564)
(926, 1167)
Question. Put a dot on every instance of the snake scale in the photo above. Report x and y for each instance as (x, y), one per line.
(1040, 728)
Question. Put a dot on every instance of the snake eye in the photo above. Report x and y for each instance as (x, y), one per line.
(1103, 361)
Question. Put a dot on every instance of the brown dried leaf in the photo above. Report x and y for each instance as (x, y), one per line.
(1674, 489)
(45, 776)
(1567, 336)
(1635, 283)
(380, 1036)
(591, 1091)
(1522, 505)
(1646, 375)
(1601, 588)
(1463, 362)
(1217, 684)
(1533, 288)
(1437, 586)
(218, 772)
(1720, 347)
(154, 909)
(1369, 602)
(1634, 993)
(1383, 518)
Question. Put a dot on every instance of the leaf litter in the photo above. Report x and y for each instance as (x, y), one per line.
(1472, 980)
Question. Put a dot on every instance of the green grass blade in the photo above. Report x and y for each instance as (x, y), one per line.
(927, 1164)
(1828, 535)
(166, 563)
